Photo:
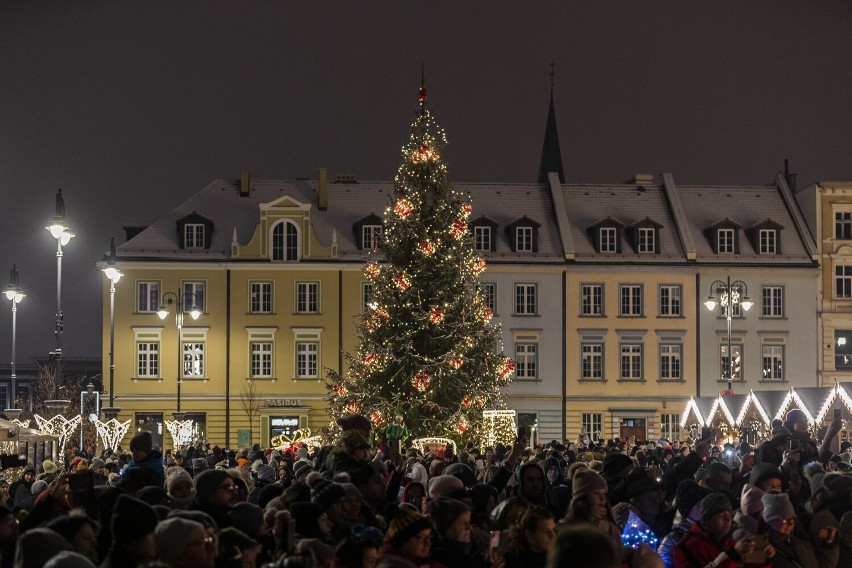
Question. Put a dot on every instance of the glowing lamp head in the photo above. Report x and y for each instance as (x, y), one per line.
(195, 313)
(113, 273)
(163, 313)
(746, 303)
(14, 295)
(710, 303)
(66, 237)
(57, 227)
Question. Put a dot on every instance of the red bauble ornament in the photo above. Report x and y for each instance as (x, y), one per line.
(403, 208)
(456, 363)
(458, 229)
(436, 316)
(420, 382)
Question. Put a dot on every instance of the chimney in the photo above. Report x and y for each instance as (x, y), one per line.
(642, 179)
(790, 178)
(322, 189)
(245, 180)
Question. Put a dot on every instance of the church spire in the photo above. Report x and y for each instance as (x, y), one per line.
(551, 155)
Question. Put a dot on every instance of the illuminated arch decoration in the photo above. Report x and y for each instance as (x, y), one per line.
(181, 431)
(432, 445)
(112, 432)
(59, 426)
(501, 426)
(300, 436)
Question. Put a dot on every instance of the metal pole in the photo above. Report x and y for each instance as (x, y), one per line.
(179, 323)
(729, 312)
(58, 331)
(14, 376)
(111, 340)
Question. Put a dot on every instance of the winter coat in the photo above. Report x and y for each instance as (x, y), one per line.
(147, 472)
(826, 555)
(698, 550)
(794, 552)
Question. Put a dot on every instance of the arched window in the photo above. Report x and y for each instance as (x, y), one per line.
(285, 241)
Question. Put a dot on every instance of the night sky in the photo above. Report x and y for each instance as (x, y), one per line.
(131, 107)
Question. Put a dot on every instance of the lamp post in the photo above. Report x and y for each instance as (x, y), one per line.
(111, 271)
(181, 304)
(85, 415)
(58, 228)
(730, 294)
(14, 295)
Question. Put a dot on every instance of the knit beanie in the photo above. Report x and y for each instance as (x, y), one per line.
(142, 442)
(265, 473)
(405, 524)
(247, 517)
(791, 418)
(38, 486)
(36, 546)
(587, 482)
(780, 434)
(48, 466)
(763, 471)
(443, 485)
(352, 440)
(714, 504)
(614, 463)
(173, 535)
(324, 492)
(463, 472)
(444, 511)
(815, 474)
(302, 467)
(132, 520)
(776, 508)
(208, 481)
(837, 485)
(751, 500)
(354, 421)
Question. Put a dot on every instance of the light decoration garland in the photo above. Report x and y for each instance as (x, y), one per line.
(181, 432)
(403, 208)
(59, 426)
(21, 423)
(791, 397)
(637, 532)
(752, 399)
(691, 408)
(300, 436)
(427, 445)
(112, 432)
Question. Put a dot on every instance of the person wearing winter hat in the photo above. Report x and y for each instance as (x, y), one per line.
(49, 471)
(301, 469)
(589, 505)
(132, 526)
(21, 489)
(265, 476)
(179, 488)
(767, 477)
(146, 466)
(790, 548)
(750, 516)
(688, 498)
(81, 533)
(444, 486)
(355, 422)
(233, 539)
(37, 546)
(352, 451)
(215, 494)
(408, 540)
(451, 520)
(330, 497)
(828, 507)
(69, 559)
(185, 543)
(248, 518)
(709, 541)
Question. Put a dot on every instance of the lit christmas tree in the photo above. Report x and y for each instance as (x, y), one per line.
(427, 347)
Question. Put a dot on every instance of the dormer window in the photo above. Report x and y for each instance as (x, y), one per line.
(606, 235)
(608, 239)
(368, 232)
(645, 235)
(523, 235)
(484, 234)
(724, 236)
(766, 237)
(194, 231)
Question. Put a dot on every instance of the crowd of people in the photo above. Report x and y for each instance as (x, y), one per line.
(362, 503)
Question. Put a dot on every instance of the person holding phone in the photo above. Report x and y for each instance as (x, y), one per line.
(709, 541)
(790, 547)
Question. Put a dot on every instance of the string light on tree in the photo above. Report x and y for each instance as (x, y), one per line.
(429, 355)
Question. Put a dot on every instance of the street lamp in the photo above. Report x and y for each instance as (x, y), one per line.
(114, 274)
(730, 294)
(86, 416)
(58, 228)
(14, 295)
(180, 303)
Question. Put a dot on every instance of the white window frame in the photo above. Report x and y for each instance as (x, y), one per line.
(647, 240)
(526, 360)
(737, 347)
(367, 297)
(670, 300)
(768, 241)
(193, 235)
(489, 296)
(261, 352)
(631, 362)
(260, 297)
(148, 342)
(608, 239)
(592, 358)
(670, 426)
(671, 362)
(307, 297)
(842, 225)
(592, 300)
(526, 299)
(524, 239)
(772, 299)
(592, 424)
(194, 295)
(306, 349)
(286, 246)
(725, 241)
(772, 359)
(150, 291)
(630, 300)
(371, 236)
(843, 276)
(193, 342)
(482, 238)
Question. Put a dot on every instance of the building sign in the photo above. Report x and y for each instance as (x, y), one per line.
(283, 426)
(283, 402)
